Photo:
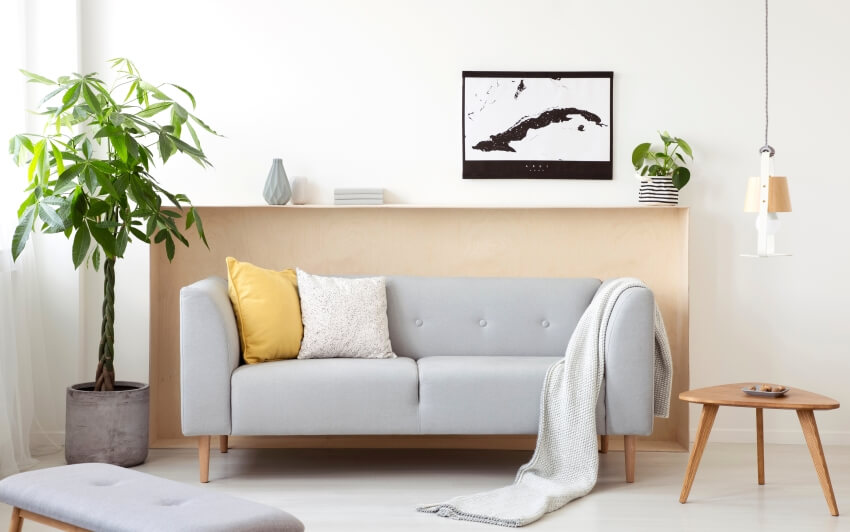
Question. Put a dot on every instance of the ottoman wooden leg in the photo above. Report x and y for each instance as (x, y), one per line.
(760, 444)
(17, 521)
(204, 457)
(706, 420)
(630, 450)
(222, 443)
(603, 443)
(810, 431)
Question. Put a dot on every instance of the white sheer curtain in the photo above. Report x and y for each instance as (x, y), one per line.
(21, 328)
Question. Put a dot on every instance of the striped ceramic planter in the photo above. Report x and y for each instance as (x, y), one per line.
(658, 191)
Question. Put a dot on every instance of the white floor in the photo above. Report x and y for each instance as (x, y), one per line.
(347, 490)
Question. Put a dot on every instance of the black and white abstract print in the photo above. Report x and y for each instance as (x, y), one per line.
(529, 118)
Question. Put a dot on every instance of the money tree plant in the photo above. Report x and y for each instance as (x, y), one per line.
(89, 175)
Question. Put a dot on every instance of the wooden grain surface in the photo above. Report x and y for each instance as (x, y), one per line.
(732, 395)
(648, 243)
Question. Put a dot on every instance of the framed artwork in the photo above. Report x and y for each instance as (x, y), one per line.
(538, 125)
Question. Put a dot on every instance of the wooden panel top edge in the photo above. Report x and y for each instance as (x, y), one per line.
(454, 207)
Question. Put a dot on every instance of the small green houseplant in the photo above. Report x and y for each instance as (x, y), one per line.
(89, 177)
(666, 162)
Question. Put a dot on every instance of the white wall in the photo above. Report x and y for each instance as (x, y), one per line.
(368, 93)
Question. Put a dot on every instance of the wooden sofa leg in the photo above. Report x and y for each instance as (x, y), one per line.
(17, 521)
(204, 457)
(222, 443)
(630, 448)
(603, 443)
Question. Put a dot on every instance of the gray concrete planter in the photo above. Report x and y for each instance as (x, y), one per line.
(110, 427)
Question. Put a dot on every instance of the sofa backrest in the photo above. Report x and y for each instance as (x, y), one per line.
(439, 316)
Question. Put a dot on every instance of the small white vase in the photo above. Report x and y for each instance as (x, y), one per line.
(658, 190)
(277, 190)
(299, 190)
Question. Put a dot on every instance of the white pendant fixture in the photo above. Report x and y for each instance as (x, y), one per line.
(767, 194)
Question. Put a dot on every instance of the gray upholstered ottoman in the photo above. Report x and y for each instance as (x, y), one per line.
(103, 497)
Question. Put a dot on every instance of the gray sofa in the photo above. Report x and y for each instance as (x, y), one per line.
(472, 355)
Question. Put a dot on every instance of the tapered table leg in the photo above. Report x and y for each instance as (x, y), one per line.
(603, 444)
(810, 431)
(760, 443)
(222, 443)
(706, 420)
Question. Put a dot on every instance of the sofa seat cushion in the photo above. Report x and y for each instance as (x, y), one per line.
(481, 394)
(326, 396)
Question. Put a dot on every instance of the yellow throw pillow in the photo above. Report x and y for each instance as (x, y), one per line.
(268, 311)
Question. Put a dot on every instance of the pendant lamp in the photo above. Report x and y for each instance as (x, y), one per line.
(767, 194)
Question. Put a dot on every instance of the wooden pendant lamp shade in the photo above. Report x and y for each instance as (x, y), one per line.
(778, 197)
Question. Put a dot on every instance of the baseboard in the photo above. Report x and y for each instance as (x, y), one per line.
(781, 437)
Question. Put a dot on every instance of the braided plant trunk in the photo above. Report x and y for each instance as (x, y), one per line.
(105, 376)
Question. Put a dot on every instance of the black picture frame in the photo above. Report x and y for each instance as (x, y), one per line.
(575, 168)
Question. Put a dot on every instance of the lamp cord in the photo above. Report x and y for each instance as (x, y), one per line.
(767, 147)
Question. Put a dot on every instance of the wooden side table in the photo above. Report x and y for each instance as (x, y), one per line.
(805, 403)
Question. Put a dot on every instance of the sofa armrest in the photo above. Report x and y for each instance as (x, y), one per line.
(629, 371)
(209, 352)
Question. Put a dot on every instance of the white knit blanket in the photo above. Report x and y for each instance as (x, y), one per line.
(565, 463)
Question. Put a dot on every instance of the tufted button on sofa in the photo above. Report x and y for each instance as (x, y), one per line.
(472, 356)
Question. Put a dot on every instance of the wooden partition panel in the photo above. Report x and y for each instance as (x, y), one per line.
(644, 242)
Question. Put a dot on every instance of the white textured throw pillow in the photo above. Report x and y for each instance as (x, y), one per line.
(344, 318)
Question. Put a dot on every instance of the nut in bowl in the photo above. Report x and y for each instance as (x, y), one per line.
(766, 390)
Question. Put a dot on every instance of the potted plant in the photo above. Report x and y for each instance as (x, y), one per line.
(662, 173)
(89, 178)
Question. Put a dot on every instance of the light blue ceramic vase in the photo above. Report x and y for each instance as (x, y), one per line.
(277, 190)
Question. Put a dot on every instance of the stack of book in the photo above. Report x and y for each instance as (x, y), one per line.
(358, 196)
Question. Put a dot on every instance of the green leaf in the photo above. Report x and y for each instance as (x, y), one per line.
(26, 203)
(105, 238)
(66, 178)
(49, 216)
(181, 113)
(166, 147)
(639, 154)
(58, 160)
(158, 94)
(81, 245)
(70, 98)
(91, 99)
(36, 156)
(121, 242)
(184, 91)
(665, 137)
(22, 231)
(160, 236)
(132, 90)
(78, 206)
(685, 147)
(16, 145)
(203, 125)
(154, 109)
(681, 176)
(194, 135)
(97, 207)
(140, 235)
(95, 258)
(190, 218)
(200, 226)
(120, 144)
(35, 78)
(169, 247)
